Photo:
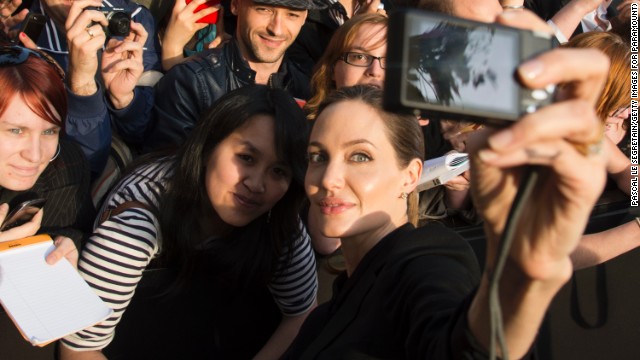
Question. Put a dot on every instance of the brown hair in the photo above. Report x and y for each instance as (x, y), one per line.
(321, 81)
(403, 131)
(616, 91)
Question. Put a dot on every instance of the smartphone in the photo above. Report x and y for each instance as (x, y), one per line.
(442, 67)
(209, 19)
(24, 212)
(32, 26)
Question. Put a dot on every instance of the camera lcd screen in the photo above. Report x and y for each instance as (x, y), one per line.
(465, 67)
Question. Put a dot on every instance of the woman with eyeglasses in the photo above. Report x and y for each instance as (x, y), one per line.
(356, 55)
(613, 108)
(36, 163)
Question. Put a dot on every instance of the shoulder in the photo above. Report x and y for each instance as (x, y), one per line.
(145, 184)
(433, 249)
(203, 65)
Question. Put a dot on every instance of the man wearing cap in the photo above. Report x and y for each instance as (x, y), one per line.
(255, 55)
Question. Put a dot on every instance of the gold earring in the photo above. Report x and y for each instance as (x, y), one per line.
(404, 195)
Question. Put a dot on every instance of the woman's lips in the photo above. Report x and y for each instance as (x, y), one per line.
(246, 201)
(334, 206)
(25, 171)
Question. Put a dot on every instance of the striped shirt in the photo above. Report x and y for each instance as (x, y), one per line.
(113, 260)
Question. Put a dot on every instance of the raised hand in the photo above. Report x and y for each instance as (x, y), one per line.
(84, 38)
(181, 28)
(122, 65)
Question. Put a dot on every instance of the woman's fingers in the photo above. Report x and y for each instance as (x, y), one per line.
(65, 248)
(568, 66)
(572, 120)
(27, 229)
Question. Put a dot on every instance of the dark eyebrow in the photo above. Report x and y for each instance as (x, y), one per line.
(347, 144)
(249, 145)
(359, 141)
(254, 150)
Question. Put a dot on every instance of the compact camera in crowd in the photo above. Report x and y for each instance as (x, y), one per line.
(119, 20)
(442, 67)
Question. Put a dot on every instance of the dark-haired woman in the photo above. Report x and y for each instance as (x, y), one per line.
(417, 293)
(222, 213)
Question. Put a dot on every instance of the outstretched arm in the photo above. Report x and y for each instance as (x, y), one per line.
(554, 219)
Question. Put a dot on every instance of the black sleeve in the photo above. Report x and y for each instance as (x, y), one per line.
(180, 98)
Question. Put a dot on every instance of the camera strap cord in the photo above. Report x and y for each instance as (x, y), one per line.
(525, 189)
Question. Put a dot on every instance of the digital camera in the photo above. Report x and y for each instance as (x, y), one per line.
(119, 21)
(442, 67)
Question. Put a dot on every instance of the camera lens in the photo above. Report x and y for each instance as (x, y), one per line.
(119, 23)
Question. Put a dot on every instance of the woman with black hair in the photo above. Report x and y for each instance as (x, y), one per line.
(222, 216)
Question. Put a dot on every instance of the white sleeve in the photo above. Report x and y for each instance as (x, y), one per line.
(295, 285)
(112, 263)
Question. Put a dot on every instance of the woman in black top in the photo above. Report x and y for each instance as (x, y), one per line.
(410, 293)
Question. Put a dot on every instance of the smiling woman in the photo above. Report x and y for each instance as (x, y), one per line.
(218, 221)
(36, 163)
(355, 56)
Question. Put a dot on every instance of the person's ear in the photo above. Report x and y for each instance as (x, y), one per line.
(234, 7)
(412, 172)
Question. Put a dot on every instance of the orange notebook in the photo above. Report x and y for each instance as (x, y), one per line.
(46, 302)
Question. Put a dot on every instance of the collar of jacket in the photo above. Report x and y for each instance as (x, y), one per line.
(240, 67)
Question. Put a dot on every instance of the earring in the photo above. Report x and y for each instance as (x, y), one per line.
(404, 195)
(269, 216)
(55, 156)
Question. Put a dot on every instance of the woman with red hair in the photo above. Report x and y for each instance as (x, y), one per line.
(36, 163)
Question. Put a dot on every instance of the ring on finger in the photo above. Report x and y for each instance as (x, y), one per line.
(90, 32)
(595, 148)
(534, 154)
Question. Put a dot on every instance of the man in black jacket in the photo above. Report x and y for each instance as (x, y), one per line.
(265, 29)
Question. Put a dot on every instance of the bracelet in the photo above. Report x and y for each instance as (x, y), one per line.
(638, 221)
(513, 7)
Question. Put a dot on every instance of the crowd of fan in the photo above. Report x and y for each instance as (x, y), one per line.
(244, 135)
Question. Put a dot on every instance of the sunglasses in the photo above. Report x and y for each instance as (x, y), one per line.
(16, 55)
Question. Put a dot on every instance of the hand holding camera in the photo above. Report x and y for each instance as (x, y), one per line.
(122, 65)
(85, 37)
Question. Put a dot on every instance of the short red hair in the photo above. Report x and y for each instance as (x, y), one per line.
(38, 83)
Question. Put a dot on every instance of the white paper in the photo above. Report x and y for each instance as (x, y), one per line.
(46, 301)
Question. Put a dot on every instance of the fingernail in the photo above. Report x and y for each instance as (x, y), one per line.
(501, 139)
(23, 35)
(487, 155)
(531, 69)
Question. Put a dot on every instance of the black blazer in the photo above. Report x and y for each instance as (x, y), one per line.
(407, 299)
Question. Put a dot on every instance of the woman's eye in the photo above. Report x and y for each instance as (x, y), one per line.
(360, 157)
(315, 157)
(281, 172)
(16, 131)
(245, 158)
(50, 132)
